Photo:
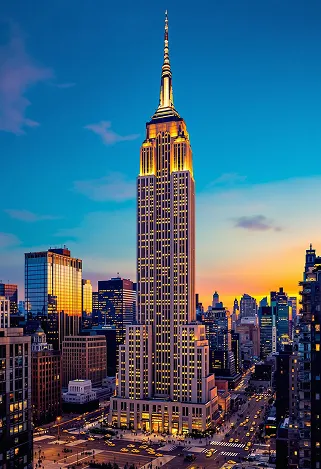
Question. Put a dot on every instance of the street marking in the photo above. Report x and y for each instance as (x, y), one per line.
(227, 453)
(167, 448)
(225, 443)
(44, 437)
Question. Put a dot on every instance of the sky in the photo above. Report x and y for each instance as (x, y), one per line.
(79, 80)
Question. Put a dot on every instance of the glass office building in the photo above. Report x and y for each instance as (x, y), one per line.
(117, 304)
(53, 292)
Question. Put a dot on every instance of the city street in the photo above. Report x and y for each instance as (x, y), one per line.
(235, 440)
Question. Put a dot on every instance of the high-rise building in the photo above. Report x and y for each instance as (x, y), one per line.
(218, 327)
(117, 304)
(267, 331)
(53, 292)
(307, 347)
(10, 292)
(282, 381)
(282, 313)
(96, 316)
(87, 297)
(4, 312)
(84, 357)
(15, 399)
(249, 331)
(248, 306)
(163, 381)
(46, 379)
(235, 314)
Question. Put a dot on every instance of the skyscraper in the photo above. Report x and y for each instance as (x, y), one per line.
(117, 304)
(15, 399)
(267, 331)
(87, 297)
(10, 292)
(46, 379)
(163, 381)
(53, 292)
(305, 390)
(248, 306)
(281, 311)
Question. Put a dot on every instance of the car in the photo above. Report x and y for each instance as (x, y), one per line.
(247, 448)
(159, 455)
(209, 454)
(124, 450)
(248, 434)
(247, 417)
(236, 440)
(227, 435)
(130, 446)
(110, 443)
(231, 440)
(241, 424)
(251, 429)
(65, 431)
(256, 416)
(143, 447)
(253, 423)
(91, 438)
(248, 443)
(190, 457)
(134, 450)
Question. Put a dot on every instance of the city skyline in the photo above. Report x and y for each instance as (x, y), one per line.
(261, 123)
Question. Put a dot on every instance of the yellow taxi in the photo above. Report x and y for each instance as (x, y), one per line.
(124, 450)
(135, 450)
(130, 446)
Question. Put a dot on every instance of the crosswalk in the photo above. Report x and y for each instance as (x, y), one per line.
(226, 443)
(168, 447)
(205, 450)
(227, 453)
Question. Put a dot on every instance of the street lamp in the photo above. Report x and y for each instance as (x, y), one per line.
(58, 425)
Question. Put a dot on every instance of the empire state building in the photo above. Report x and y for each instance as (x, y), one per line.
(163, 380)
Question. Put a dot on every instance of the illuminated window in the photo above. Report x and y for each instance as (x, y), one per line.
(317, 347)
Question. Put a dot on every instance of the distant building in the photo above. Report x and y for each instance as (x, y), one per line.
(235, 314)
(87, 297)
(84, 357)
(281, 311)
(53, 292)
(10, 292)
(236, 349)
(110, 333)
(261, 379)
(16, 449)
(267, 331)
(248, 306)
(96, 316)
(4, 312)
(46, 379)
(282, 382)
(218, 327)
(80, 396)
(249, 332)
(117, 305)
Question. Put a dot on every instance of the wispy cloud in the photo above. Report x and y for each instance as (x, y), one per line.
(7, 240)
(113, 187)
(18, 72)
(228, 179)
(63, 85)
(25, 215)
(256, 223)
(109, 137)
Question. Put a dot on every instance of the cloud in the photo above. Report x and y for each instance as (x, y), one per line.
(8, 240)
(114, 187)
(109, 137)
(227, 179)
(255, 223)
(63, 85)
(25, 215)
(18, 72)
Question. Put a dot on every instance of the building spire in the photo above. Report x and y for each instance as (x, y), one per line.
(166, 102)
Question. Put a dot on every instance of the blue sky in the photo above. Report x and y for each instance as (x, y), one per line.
(78, 81)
